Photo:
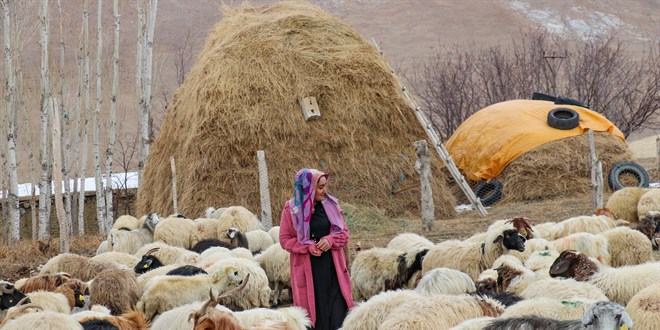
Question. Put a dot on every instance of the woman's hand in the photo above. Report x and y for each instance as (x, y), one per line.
(323, 245)
(316, 252)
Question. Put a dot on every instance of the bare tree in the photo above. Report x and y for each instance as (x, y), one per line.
(126, 158)
(77, 137)
(65, 130)
(57, 176)
(13, 210)
(145, 102)
(100, 197)
(112, 131)
(139, 79)
(86, 111)
(44, 186)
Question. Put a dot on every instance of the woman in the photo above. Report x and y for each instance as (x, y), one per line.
(313, 230)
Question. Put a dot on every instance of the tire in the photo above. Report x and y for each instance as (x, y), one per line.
(614, 177)
(489, 192)
(563, 118)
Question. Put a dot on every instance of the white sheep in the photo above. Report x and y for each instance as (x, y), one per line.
(440, 312)
(256, 293)
(131, 241)
(204, 228)
(294, 317)
(144, 278)
(592, 224)
(649, 202)
(46, 320)
(623, 203)
(50, 301)
(558, 309)
(592, 245)
(563, 289)
(627, 246)
(169, 255)
(254, 240)
(276, 263)
(166, 292)
(274, 233)
(77, 266)
(618, 284)
(237, 217)
(474, 324)
(407, 241)
(179, 317)
(445, 281)
(540, 261)
(213, 213)
(644, 307)
(126, 221)
(531, 246)
(210, 259)
(380, 269)
(103, 247)
(371, 313)
(175, 231)
(470, 257)
(544, 230)
(121, 258)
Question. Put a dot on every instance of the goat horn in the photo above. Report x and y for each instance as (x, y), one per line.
(23, 301)
(234, 290)
(4, 289)
(152, 251)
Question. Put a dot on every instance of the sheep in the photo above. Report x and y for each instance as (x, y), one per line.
(559, 309)
(274, 233)
(592, 224)
(116, 289)
(381, 269)
(540, 261)
(445, 281)
(206, 244)
(531, 246)
(520, 224)
(474, 324)
(237, 217)
(143, 279)
(103, 247)
(254, 240)
(563, 289)
(126, 221)
(602, 315)
(293, 318)
(166, 292)
(623, 203)
(46, 320)
(627, 247)
(545, 229)
(473, 258)
(50, 301)
(256, 293)
(121, 258)
(9, 295)
(213, 213)
(168, 255)
(204, 229)
(187, 270)
(131, 241)
(644, 307)
(48, 282)
(371, 313)
(148, 262)
(275, 262)
(132, 320)
(513, 278)
(426, 315)
(175, 231)
(242, 253)
(77, 266)
(486, 283)
(649, 202)
(589, 244)
(407, 241)
(180, 317)
(649, 225)
(618, 284)
(237, 238)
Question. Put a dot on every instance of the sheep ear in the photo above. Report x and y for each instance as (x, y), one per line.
(588, 318)
(498, 239)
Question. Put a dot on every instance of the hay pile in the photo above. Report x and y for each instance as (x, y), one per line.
(243, 95)
(560, 168)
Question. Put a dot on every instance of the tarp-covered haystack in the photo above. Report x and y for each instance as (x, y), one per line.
(513, 143)
(243, 95)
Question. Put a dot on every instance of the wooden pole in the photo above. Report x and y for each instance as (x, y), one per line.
(657, 146)
(174, 197)
(423, 167)
(599, 184)
(596, 176)
(439, 147)
(266, 215)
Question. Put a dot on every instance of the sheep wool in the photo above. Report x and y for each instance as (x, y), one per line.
(169, 255)
(644, 307)
(295, 318)
(567, 289)
(256, 293)
(621, 284)
(627, 246)
(445, 281)
(46, 320)
(592, 224)
(623, 203)
(274, 233)
(50, 301)
(77, 266)
(121, 258)
(103, 247)
(144, 279)
(276, 263)
(237, 217)
(531, 246)
(589, 244)
(116, 289)
(474, 324)
(129, 241)
(179, 317)
(558, 309)
(126, 221)
(371, 313)
(204, 228)
(258, 240)
(175, 232)
(407, 241)
(649, 202)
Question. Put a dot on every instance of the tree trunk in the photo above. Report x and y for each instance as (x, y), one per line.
(65, 226)
(423, 167)
(13, 210)
(33, 210)
(86, 112)
(266, 210)
(112, 132)
(65, 129)
(44, 185)
(100, 197)
(78, 130)
(145, 136)
(139, 81)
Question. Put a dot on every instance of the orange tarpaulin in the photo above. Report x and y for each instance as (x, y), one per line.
(494, 136)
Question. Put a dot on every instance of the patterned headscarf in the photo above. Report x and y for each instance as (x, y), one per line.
(304, 189)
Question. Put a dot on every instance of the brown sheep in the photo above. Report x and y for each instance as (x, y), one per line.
(116, 289)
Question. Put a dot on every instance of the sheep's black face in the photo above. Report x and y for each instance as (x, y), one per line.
(511, 240)
(564, 265)
(147, 263)
(8, 300)
(486, 287)
(80, 298)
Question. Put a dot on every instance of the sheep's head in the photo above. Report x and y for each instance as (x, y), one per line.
(228, 276)
(148, 262)
(232, 232)
(606, 315)
(151, 222)
(571, 263)
(511, 240)
(523, 227)
(10, 296)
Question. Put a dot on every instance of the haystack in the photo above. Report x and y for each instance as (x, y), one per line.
(243, 95)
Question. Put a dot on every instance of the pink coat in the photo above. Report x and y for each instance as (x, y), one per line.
(302, 283)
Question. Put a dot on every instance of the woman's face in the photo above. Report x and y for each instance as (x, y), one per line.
(321, 189)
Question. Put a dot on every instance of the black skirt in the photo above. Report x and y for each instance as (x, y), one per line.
(331, 308)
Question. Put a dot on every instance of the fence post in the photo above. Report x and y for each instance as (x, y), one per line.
(657, 146)
(266, 215)
(174, 197)
(422, 166)
(596, 174)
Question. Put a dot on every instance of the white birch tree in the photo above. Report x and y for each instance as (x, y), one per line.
(57, 178)
(44, 185)
(100, 197)
(139, 80)
(145, 103)
(112, 129)
(85, 116)
(65, 129)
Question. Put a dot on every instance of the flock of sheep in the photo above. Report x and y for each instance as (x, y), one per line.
(223, 271)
